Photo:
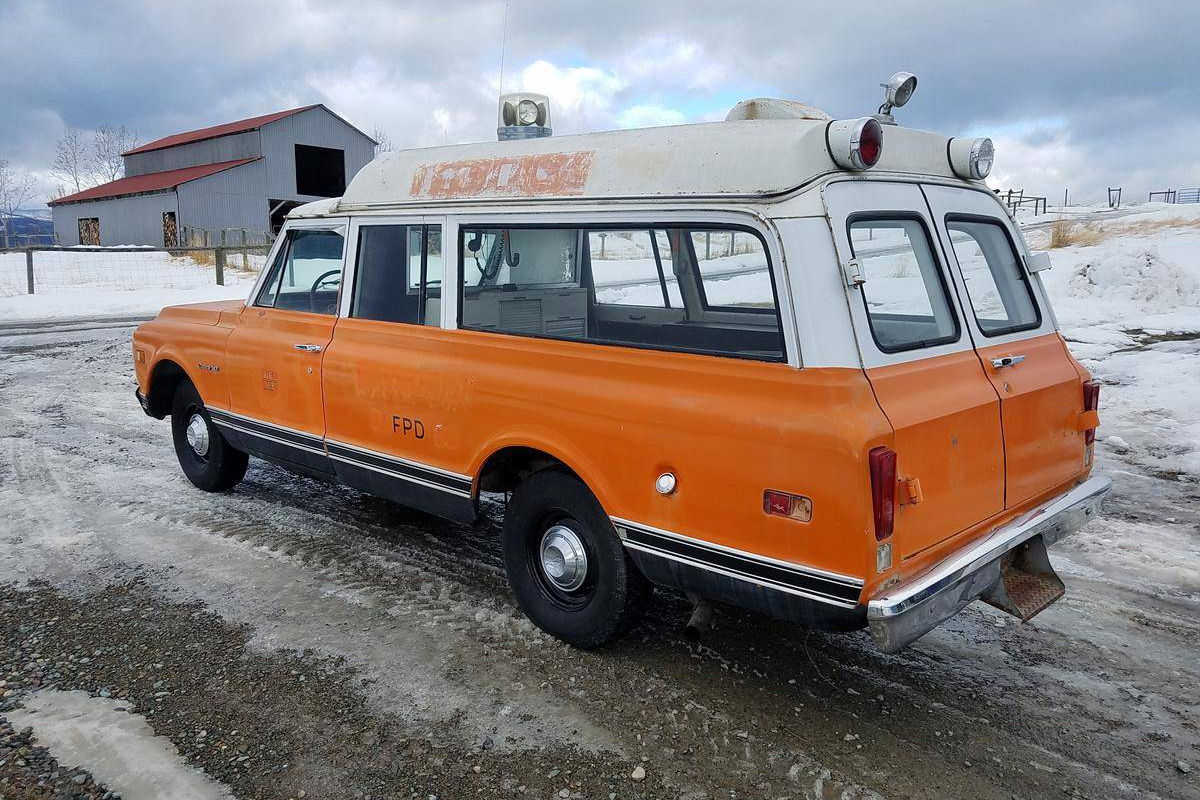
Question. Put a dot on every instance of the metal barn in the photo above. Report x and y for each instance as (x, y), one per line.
(241, 175)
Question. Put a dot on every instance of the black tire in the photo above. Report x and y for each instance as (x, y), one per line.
(614, 593)
(222, 466)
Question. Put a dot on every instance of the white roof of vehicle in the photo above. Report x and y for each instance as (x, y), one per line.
(755, 159)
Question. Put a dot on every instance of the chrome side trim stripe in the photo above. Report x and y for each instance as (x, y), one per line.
(808, 582)
(410, 478)
(259, 434)
(400, 467)
(392, 466)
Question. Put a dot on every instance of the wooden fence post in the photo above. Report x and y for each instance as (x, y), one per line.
(29, 269)
(220, 261)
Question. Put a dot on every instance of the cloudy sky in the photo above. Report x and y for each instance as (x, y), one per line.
(1079, 95)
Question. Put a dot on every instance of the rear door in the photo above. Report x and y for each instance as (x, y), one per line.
(1019, 348)
(920, 360)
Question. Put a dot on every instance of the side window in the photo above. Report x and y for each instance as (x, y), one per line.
(998, 288)
(388, 280)
(634, 287)
(734, 272)
(309, 273)
(905, 294)
(627, 270)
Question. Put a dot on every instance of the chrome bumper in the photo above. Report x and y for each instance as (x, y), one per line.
(903, 613)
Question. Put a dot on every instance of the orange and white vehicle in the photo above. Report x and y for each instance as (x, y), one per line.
(802, 365)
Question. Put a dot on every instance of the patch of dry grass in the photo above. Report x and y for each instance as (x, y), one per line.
(1064, 233)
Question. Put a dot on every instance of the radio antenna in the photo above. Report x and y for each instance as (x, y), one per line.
(503, 41)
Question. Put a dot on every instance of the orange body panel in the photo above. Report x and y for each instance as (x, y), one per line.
(948, 436)
(1040, 401)
(193, 337)
(620, 417)
(271, 380)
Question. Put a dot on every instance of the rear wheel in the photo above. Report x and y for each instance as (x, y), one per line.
(208, 460)
(568, 570)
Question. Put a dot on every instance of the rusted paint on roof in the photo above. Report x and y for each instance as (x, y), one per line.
(535, 175)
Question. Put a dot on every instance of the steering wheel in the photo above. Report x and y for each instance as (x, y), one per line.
(312, 293)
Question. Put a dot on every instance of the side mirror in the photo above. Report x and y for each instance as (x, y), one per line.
(1036, 262)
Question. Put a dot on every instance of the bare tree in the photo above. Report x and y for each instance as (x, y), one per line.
(71, 162)
(15, 191)
(384, 143)
(107, 148)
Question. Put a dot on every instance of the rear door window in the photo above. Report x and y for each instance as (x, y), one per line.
(907, 303)
(996, 284)
(399, 274)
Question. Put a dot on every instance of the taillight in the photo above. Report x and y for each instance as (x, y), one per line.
(883, 490)
(1091, 402)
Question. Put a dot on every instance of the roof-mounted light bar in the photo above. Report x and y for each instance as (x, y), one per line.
(971, 159)
(855, 144)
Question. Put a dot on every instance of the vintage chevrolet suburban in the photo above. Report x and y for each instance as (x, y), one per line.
(801, 365)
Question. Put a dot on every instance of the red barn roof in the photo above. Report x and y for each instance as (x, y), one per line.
(151, 182)
(240, 126)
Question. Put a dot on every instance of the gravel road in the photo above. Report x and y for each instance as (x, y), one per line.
(294, 638)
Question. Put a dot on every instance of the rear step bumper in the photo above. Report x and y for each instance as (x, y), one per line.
(903, 613)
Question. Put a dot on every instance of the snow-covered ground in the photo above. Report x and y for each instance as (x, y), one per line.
(119, 281)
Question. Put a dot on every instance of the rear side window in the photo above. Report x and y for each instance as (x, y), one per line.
(399, 274)
(641, 287)
(907, 303)
(998, 288)
(733, 271)
(307, 273)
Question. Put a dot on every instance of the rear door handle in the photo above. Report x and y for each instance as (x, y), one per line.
(1006, 361)
(308, 348)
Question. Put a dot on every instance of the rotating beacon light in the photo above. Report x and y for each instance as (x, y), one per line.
(523, 115)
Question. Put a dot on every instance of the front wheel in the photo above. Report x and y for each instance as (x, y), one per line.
(568, 570)
(208, 460)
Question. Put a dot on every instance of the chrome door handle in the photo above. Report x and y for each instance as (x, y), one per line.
(308, 348)
(1006, 361)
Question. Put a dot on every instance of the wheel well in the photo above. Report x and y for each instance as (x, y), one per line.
(507, 467)
(164, 381)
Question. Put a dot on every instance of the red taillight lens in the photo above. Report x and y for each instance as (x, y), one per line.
(870, 143)
(1091, 402)
(883, 490)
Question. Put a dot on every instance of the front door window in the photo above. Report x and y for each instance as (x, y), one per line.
(307, 273)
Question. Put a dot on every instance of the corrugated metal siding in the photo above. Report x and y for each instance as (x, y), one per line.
(123, 220)
(235, 198)
(230, 199)
(210, 151)
(316, 127)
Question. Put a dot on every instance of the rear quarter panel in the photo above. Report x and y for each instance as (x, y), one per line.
(619, 417)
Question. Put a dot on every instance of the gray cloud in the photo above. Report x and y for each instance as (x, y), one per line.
(1085, 94)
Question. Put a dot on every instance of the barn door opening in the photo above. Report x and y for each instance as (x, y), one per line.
(170, 230)
(278, 211)
(89, 231)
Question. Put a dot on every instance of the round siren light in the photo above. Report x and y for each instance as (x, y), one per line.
(855, 144)
(971, 159)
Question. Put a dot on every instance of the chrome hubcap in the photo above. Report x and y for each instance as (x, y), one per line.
(197, 435)
(564, 561)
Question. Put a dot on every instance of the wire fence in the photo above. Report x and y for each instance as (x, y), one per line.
(43, 270)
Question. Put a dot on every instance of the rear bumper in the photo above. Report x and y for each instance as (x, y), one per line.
(901, 614)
